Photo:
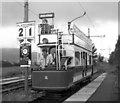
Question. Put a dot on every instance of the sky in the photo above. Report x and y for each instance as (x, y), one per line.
(101, 18)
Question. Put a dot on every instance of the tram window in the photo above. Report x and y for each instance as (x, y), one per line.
(64, 52)
(86, 59)
(86, 56)
(77, 55)
(77, 58)
(81, 55)
(89, 59)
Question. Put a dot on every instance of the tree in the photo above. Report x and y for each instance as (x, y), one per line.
(117, 51)
(94, 54)
(100, 58)
(115, 56)
(112, 58)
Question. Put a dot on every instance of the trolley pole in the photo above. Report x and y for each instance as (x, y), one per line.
(69, 23)
(26, 69)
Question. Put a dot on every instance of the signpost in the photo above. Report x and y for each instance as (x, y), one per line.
(26, 33)
(26, 30)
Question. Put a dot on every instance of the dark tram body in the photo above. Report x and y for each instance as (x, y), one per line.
(72, 59)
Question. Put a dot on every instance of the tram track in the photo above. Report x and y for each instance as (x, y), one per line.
(10, 84)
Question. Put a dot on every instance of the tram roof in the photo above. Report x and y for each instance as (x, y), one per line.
(80, 34)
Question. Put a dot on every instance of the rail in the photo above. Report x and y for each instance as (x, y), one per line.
(9, 84)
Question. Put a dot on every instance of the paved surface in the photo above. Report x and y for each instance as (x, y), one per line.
(85, 93)
(105, 89)
(108, 90)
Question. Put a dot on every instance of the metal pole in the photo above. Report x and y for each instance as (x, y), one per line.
(56, 56)
(59, 63)
(69, 23)
(26, 69)
(26, 11)
(88, 32)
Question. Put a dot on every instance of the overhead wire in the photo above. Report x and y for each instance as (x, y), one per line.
(88, 17)
(79, 5)
(89, 20)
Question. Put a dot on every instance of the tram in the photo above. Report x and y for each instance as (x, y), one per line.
(71, 53)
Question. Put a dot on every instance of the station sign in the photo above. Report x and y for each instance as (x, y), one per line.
(26, 30)
(46, 15)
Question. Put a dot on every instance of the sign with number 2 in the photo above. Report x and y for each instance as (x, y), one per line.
(26, 30)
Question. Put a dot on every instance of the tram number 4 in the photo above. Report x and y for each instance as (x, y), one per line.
(21, 32)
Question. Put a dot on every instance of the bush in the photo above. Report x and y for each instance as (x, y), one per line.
(16, 64)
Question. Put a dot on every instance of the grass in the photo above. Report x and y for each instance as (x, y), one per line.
(17, 70)
(12, 71)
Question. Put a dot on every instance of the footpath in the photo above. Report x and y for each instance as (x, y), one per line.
(108, 91)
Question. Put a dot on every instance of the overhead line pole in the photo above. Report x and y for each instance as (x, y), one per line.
(102, 36)
(26, 11)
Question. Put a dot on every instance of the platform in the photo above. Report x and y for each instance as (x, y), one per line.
(85, 93)
(103, 88)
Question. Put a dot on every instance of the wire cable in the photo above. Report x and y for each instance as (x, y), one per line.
(88, 17)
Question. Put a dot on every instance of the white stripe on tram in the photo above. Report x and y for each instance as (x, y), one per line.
(79, 76)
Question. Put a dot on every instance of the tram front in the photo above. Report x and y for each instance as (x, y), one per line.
(51, 72)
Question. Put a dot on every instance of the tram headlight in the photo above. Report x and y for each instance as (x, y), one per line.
(45, 40)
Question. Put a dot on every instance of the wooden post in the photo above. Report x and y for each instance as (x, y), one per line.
(27, 68)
